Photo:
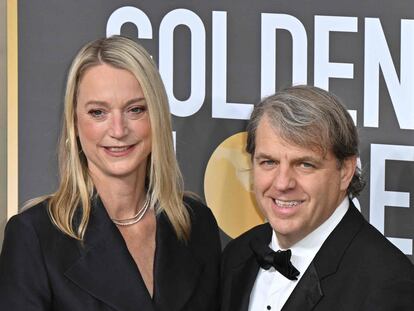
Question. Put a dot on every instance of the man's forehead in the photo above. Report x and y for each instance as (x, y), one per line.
(292, 153)
(267, 131)
(274, 144)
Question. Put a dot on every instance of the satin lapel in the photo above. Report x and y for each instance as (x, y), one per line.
(311, 286)
(176, 270)
(332, 251)
(243, 278)
(105, 268)
(245, 270)
(306, 294)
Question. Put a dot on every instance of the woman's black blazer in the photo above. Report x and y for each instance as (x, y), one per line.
(43, 269)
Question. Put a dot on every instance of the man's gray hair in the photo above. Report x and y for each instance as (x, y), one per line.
(310, 117)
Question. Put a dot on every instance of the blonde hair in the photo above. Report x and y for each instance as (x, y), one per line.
(164, 181)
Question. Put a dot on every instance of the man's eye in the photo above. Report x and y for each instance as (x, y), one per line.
(96, 113)
(267, 162)
(307, 165)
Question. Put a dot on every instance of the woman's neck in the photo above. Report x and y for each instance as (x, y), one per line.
(122, 197)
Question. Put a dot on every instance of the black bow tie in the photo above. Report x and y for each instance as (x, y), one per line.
(280, 260)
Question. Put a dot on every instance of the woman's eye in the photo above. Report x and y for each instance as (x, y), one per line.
(137, 110)
(96, 113)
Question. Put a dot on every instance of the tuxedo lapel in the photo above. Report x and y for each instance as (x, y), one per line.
(176, 270)
(243, 278)
(245, 269)
(306, 294)
(333, 249)
(310, 288)
(105, 268)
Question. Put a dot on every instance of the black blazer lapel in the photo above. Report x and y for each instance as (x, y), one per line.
(105, 269)
(176, 270)
(309, 290)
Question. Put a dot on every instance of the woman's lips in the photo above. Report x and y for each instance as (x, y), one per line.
(120, 151)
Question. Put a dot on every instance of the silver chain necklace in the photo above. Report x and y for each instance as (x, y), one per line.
(134, 219)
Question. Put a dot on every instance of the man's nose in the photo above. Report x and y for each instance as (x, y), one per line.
(284, 178)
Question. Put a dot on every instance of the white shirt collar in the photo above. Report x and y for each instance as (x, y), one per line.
(305, 250)
(271, 289)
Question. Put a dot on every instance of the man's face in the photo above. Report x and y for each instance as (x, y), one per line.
(296, 188)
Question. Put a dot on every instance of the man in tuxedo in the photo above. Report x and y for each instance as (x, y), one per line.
(316, 252)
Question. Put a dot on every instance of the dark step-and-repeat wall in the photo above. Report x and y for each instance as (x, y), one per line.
(218, 58)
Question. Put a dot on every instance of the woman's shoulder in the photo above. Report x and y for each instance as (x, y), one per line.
(196, 208)
(192, 200)
(33, 232)
(35, 217)
(202, 218)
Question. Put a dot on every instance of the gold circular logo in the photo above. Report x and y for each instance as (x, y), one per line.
(228, 187)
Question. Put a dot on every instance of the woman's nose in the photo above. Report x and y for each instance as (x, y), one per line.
(119, 126)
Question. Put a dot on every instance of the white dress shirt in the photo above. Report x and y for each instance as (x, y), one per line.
(271, 289)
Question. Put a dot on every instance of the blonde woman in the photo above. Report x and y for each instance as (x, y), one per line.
(118, 234)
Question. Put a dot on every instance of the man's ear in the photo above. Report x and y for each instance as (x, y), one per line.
(348, 168)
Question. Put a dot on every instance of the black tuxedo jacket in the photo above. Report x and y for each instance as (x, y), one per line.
(43, 269)
(356, 268)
